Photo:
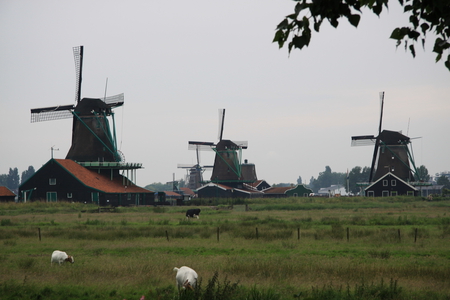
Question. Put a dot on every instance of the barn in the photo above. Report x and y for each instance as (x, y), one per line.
(66, 180)
(390, 185)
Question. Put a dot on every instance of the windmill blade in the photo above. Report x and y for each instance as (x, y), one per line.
(202, 146)
(51, 113)
(221, 122)
(363, 140)
(114, 101)
(185, 166)
(78, 56)
(381, 113)
(241, 144)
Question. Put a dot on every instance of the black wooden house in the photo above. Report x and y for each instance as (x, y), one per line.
(390, 185)
(67, 180)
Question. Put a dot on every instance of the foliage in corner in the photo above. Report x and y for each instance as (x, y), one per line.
(424, 16)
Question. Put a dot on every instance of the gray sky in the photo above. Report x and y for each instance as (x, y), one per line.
(178, 62)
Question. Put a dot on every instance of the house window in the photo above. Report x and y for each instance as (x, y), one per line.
(385, 183)
(393, 193)
(52, 181)
(370, 194)
(410, 193)
(69, 195)
(385, 193)
(393, 182)
(128, 196)
(295, 195)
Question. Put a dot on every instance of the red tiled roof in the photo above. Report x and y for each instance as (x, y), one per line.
(5, 192)
(171, 193)
(97, 181)
(187, 191)
(278, 190)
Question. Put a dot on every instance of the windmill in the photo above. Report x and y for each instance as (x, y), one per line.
(194, 178)
(390, 154)
(92, 139)
(228, 159)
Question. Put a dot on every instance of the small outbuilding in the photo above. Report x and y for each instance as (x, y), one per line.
(6, 195)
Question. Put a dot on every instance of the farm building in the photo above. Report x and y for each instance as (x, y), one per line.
(287, 191)
(64, 179)
(6, 195)
(259, 185)
(390, 185)
(217, 190)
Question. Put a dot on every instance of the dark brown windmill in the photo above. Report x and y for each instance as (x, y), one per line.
(92, 139)
(390, 154)
(228, 159)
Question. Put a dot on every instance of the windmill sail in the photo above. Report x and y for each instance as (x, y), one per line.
(92, 138)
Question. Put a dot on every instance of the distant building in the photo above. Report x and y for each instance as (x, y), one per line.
(333, 190)
(217, 190)
(259, 185)
(66, 180)
(291, 191)
(6, 195)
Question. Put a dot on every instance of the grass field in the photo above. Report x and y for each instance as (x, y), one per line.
(295, 248)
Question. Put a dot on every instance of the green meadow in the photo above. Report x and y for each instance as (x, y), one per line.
(294, 248)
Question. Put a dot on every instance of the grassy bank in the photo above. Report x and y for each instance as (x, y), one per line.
(281, 249)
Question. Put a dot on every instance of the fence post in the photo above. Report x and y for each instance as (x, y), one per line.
(256, 232)
(348, 234)
(217, 233)
(167, 235)
(298, 233)
(415, 235)
(39, 232)
(399, 236)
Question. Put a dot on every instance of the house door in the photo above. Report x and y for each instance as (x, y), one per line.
(94, 197)
(51, 196)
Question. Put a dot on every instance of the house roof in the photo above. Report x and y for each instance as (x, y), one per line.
(172, 194)
(224, 187)
(187, 191)
(256, 183)
(5, 192)
(278, 190)
(396, 177)
(98, 181)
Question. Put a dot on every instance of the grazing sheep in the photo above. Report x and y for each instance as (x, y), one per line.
(60, 257)
(186, 278)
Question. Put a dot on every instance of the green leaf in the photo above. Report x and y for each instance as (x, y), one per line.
(396, 34)
(413, 51)
(424, 27)
(279, 38)
(283, 25)
(354, 19)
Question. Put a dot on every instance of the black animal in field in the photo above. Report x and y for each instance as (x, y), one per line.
(193, 213)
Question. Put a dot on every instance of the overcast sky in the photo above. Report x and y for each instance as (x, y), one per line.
(178, 62)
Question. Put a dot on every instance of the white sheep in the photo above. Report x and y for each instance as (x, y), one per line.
(60, 257)
(186, 278)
